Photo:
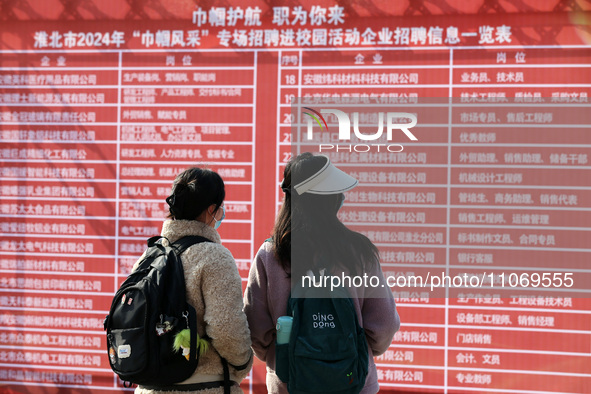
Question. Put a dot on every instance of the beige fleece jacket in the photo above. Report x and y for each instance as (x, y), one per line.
(214, 289)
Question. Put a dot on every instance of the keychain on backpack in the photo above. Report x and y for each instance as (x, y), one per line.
(165, 326)
(182, 340)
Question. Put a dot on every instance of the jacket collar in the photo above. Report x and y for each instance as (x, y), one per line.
(176, 229)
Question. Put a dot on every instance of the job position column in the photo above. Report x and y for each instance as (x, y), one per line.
(180, 110)
(520, 216)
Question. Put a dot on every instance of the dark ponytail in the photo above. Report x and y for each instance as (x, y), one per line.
(193, 191)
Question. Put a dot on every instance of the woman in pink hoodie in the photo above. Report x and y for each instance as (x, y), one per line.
(306, 228)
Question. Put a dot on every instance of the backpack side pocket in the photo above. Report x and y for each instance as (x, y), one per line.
(282, 362)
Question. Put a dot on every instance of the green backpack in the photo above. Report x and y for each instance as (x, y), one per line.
(327, 349)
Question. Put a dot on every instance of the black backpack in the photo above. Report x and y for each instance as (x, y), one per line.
(327, 349)
(148, 310)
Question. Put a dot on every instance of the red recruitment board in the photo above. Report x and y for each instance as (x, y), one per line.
(102, 103)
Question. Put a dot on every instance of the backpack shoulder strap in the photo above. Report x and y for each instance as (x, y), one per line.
(152, 240)
(182, 244)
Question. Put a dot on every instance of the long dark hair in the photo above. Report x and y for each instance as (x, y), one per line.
(307, 227)
(193, 191)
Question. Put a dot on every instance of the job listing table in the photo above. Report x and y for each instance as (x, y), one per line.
(91, 141)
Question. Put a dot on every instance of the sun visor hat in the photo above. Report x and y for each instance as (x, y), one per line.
(329, 180)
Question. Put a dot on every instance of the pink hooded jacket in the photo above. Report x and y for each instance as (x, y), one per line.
(266, 298)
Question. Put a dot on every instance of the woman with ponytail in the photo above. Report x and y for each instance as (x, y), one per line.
(213, 284)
